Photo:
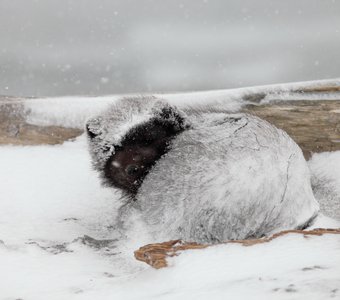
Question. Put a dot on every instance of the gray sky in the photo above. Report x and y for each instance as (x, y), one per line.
(69, 47)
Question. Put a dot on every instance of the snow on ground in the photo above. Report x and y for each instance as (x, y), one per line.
(50, 199)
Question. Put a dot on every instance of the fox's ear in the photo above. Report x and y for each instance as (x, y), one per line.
(93, 127)
(170, 116)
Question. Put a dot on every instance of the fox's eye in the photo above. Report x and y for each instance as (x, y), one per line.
(131, 170)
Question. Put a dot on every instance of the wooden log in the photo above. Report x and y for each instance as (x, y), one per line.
(15, 130)
(313, 124)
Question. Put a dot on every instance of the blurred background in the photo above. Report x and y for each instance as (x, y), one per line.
(72, 47)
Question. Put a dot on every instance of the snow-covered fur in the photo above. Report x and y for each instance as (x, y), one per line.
(223, 176)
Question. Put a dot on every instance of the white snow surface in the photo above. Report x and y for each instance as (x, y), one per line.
(50, 197)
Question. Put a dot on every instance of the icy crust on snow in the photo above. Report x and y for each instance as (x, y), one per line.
(226, 176)
(51, 198)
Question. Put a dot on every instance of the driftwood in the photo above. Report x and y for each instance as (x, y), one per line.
(314, 125)
(156, 254)
(15, 130)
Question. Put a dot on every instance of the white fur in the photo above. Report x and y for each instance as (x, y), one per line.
(229, 176)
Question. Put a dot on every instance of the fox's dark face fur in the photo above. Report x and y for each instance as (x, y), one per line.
(128, 160)
(140, 150)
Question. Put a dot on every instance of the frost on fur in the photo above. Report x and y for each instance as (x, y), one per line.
(127, 141)
(201, 175)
